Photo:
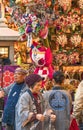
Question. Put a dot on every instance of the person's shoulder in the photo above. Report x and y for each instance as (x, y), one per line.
(24, 98)
(25, 95)
(65, 91)
(25, 87)
(80, 85)
(46, 94)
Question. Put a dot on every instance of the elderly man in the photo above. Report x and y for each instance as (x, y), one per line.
(13, 92)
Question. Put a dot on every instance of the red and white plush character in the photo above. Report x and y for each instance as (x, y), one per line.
(42, 57)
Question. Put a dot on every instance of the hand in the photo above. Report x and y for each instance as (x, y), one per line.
(52, 117)
(40, 117)
(2, 94)
(27, 120)
(48, 112)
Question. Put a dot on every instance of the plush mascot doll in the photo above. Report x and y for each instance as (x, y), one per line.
(42, 57)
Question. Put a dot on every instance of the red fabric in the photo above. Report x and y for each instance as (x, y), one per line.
(37, 99)
(7, 75)
(74, 125)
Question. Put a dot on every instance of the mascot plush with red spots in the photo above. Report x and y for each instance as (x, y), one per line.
(42, 58)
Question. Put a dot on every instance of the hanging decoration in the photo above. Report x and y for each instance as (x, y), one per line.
(73, 58)
(80, 2)
(60, 58)
(56, 23)
(65, 4)
(75, 40)
(62, 40)
(33, 17)
(42, 58)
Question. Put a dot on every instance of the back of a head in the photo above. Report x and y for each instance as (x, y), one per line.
(59, 77)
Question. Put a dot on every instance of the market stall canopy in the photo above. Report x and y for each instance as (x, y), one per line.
(7, 33)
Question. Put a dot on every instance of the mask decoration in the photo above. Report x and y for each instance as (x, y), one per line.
(42, 58)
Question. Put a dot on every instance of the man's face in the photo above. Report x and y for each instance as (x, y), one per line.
(19, 77)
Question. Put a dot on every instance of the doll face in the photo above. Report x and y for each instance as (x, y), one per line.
(38, 57)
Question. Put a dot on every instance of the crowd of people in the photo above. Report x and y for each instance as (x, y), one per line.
(31, 107)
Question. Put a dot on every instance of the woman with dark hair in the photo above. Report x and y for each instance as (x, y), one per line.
(31, 115)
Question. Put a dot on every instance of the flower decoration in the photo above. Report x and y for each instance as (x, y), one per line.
(80, 2)
(67, 23)
(60, 58)
(81, 59)
(33, 24)
(75, 21)
(31, 15)
(22, 1)
(76, 40)
(65, 4)
(81, 21)
(73, 58)
(62, 40)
